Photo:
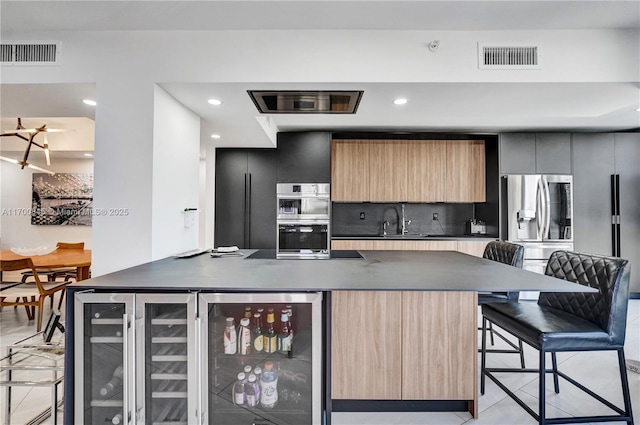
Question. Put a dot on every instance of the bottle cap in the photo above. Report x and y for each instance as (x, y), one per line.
(284, 317)
(229, 320)
(252, 378)
(257, 370)
(256, 315)
(241, 376)
(244, 321)
(247, 369)
(268, 365)
(270, 318)
(260, 310)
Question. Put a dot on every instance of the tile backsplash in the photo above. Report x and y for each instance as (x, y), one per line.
(366, 218)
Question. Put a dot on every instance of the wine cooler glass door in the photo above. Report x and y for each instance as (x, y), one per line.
(261, 358)
(103, 360)
(166, 372)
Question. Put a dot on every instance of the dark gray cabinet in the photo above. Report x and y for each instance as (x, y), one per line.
(596, 158)
(304, 157)
(245, 198)
(535, 153)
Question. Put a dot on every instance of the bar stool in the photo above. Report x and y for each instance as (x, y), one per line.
(577, 321)
(511, 254)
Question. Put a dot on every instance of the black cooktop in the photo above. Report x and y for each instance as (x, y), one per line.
(270, 254)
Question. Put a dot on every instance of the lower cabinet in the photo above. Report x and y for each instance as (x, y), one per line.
(404, 346)
(168, 359)
(475, 248)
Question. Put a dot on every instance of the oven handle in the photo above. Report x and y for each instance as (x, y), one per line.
(305, 222)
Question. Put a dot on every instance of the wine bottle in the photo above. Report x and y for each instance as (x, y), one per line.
(115, 382)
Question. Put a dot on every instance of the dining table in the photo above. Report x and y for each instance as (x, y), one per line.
(60, 258)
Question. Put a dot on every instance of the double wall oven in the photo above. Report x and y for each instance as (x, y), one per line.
(303, 221)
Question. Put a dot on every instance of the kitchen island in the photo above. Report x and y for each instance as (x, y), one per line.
(399, 327)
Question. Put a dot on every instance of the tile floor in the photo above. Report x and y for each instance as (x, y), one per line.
(597, 370)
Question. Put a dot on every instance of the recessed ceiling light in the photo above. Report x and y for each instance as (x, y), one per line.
(89, 102)
(215, 102)
(88, 154)
(400, 101)
(215, 136)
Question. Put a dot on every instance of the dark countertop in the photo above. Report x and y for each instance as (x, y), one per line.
(427, 237)
(377, 270)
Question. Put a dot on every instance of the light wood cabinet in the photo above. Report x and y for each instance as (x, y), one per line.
(465, 175)
(426, 165)
(388, 171)
(439, 345)
(365, 345)
(348, 244)
(350, 170)
(422, 346)
(475, 248)
(414, 245)
(408, 171)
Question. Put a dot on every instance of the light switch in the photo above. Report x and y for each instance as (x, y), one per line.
(361, 216)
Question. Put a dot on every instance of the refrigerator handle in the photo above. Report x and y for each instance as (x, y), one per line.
(614, 215)
(547, 207)
(618, 235)
(248, 231)
(539, 210)
(245, 219)
(126, 373)
(199, 357)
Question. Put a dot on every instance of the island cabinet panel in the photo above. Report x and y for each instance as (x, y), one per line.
(350, 170)
(439, 345)
(475, 248)
(414, 245)
(388, 171)
(465, 176)
(365, 345)
(426, 164)
(352, 244)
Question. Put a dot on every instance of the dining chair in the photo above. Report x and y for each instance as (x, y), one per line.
(26, 294)
(511, 254)
(569, 322)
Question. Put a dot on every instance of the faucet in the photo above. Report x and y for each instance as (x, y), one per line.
(405, 222)
(385, 223)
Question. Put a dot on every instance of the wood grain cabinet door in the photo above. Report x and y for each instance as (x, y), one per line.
(475, 248)
(350, 170)
(365, 345)
(388, 171)
(465, 176)
(426, 164)
(439, 345)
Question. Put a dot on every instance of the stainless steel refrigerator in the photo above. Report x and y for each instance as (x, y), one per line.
(539, 213)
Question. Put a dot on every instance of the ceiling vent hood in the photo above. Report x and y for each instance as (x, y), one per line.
(306, 102)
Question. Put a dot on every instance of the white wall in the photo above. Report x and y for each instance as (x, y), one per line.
(176, 176)
(16, 229)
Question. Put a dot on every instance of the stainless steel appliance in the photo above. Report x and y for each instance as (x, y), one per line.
(160, 359)
(539, 215)
(303, 221)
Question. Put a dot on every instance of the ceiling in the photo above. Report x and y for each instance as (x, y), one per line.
(432, 107)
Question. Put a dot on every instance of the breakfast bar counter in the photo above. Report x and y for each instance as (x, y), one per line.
(395, 330)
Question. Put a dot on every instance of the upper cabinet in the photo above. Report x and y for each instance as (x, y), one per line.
(535, 153)
(466, 180)
(426, 164)
(304, 157)
(350, 170)
(408, 171)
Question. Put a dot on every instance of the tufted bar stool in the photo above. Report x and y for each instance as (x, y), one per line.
(569, 322)
(511, 254)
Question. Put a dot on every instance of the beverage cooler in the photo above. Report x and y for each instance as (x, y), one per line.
(206, 358)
